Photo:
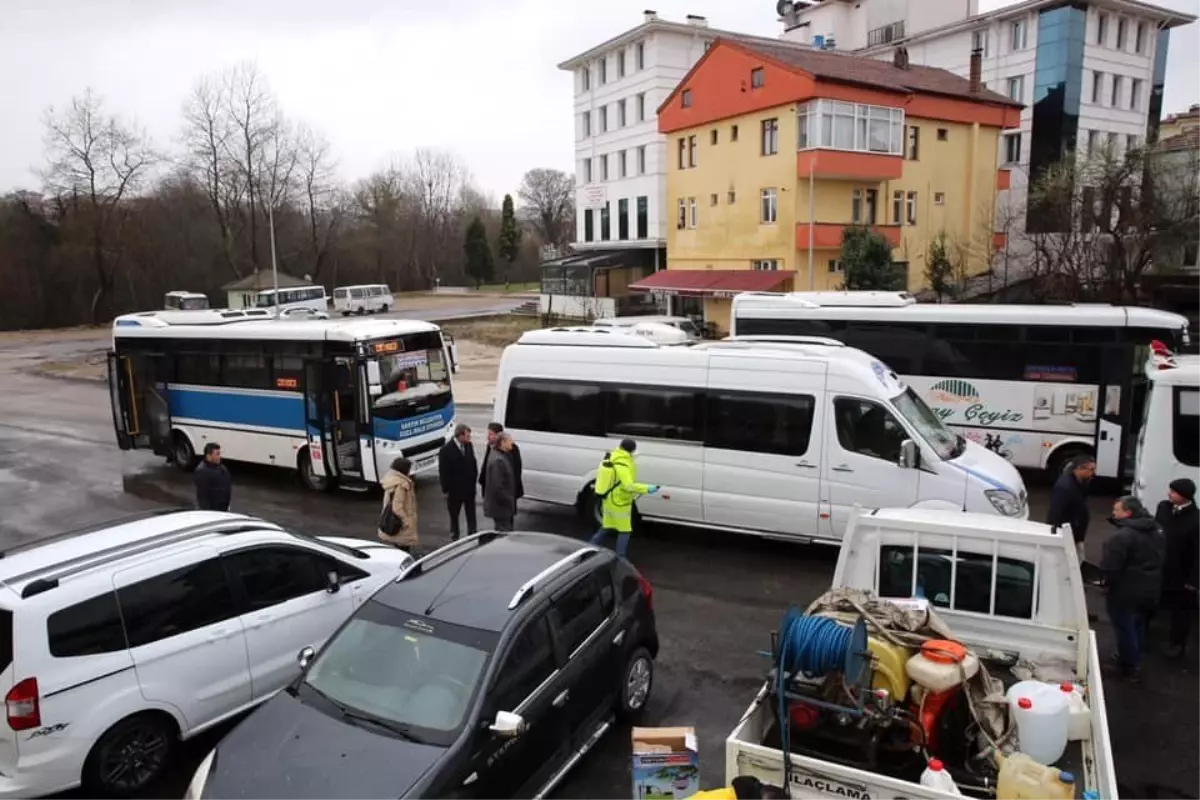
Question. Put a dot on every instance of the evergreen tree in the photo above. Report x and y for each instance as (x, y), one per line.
(867, 261)
(509, 245)
(478, 253)
(939, 271)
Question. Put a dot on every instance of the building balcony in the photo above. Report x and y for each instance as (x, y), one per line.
(847, 165)
(828, 235)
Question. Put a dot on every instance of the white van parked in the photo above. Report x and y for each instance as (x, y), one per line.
(364, 299)
(310, 297)
(118, 641)
(681, 323)
(185, 301)
(773, 438)
(1168, 445)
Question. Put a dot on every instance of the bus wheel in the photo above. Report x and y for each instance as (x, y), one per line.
(362, 311)
(309, 479)
(383, 309)
(1059, 460)
(183, 454)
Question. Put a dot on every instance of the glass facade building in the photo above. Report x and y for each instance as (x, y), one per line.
(1154, 114)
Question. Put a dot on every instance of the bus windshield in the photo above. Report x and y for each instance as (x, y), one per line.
(943, 441)
(410, 380)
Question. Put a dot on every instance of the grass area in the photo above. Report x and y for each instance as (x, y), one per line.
(526, 286)
(499, 331)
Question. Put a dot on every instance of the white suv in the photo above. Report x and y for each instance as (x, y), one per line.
(118, 641)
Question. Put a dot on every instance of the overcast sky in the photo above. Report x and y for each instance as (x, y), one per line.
(378, 77)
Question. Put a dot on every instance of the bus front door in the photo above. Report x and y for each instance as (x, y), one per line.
(319, 424)
(1115, 417)
(346, 416)
(141, 412)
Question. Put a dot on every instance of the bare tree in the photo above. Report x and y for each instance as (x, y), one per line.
(207, 140)
(322, 201)
(94, 163)
(549, 198)
(436, 178)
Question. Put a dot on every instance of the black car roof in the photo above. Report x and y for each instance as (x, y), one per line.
(475, 587)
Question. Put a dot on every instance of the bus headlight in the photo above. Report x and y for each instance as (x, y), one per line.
(195, 789)
(1004, 501)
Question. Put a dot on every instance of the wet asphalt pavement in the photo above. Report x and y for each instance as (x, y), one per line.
(717, 597)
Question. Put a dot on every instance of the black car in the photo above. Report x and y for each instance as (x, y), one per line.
(485, 670)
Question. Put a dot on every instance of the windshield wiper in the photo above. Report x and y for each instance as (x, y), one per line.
(397, 728)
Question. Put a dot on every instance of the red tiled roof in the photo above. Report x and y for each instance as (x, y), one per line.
(711, 281)
(845, 68)
(1188, 140)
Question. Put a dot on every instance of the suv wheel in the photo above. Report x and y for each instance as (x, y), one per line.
(636, 682)
(129, 757)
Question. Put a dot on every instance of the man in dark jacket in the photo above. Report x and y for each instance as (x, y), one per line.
(500, 493)
(1180, 521)
(458, 470)
(1132, 565)
(214, 484)
(494, 431)
(1068, 500)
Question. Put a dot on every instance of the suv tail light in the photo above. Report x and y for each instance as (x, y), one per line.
(21, 703)
(647, 591)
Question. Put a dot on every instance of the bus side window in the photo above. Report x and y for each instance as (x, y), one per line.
(1185, 426)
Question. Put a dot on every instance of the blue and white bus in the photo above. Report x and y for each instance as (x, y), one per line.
(337, 401)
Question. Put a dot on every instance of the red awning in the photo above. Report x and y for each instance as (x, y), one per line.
(712, 282)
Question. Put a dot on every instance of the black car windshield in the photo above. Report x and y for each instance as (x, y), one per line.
(409, 672)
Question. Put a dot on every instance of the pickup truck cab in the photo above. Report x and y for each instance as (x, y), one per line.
(1006, 588)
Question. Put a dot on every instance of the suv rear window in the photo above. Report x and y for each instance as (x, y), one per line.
(87, 628)
(6, 639)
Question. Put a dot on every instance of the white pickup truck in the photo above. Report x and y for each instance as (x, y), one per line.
(1005, 587)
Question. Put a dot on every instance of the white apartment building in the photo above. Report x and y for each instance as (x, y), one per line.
(1090, 73)
(620, 158)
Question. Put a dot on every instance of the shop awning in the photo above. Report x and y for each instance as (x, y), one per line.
(712, 282)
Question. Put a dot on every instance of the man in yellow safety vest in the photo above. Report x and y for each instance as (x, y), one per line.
(617, 489)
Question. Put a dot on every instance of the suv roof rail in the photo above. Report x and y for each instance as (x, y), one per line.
(47, 578)
(419, 566)
(129, 519)
(578, 557)
(767, 338)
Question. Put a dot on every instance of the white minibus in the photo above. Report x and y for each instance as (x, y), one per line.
(311, 297)
(185, 301)
(1168, 445)
(773, 438)
(365, 299)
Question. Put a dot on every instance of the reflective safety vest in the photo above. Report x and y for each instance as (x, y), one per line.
(616, 488)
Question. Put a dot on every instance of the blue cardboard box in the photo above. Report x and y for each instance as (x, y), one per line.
(666, 763)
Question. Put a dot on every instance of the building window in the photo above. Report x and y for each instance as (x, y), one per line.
(587, 170)
(897, 208)
(585, 78)
(681, 214)
(1101, 29)
(685, 99)
(757, 78)
(682, 152)
(943, 135)
(1012, 148)
(643, 217)
(939, 198)
(1121, 26)
(769, 213)
(1135, 93)
(691, 151)
(1016, 88)
(622, 168)
(733, 133)
(603, 114)
(1097, 87)
(803, 120)
(1116, 91)
(1112, 144)
(732, 197)
(589, 231)
(585, 120)
(621, 113)
(835, 267)
(692, 213)
(914, 143)
(851, 126)
(1132, 142)
(623, 218)
(604, 167)
(602, 65)
(1093, 142)
(641, 160)
(979, 42)
(639, 51)
(1017, 32)
(641, 107)
(863, 204)
(712, 136)
(1139, 38)
(621, 63)
(712, 199)
(765, 265)
(911, 208)
(770, 137)
(604, 224)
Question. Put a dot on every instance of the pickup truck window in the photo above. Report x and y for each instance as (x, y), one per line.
(972, 585)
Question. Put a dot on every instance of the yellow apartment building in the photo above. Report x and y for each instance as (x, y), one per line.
(774, 151)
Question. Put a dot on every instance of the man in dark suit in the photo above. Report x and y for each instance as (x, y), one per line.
(494, 431)
(458, 471)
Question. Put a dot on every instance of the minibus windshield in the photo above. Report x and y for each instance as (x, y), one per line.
(943, 441)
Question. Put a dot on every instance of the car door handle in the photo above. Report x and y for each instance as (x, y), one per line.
(620, 637)
(842, 468)
(562, 698)
(219, 634)
(806, 465)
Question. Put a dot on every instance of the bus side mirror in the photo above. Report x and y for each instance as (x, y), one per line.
(374, 382)
(910, 454)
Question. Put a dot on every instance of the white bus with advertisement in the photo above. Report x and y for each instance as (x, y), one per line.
(1036, 384)
(337, 401)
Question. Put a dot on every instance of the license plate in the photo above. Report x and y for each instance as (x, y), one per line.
(425, 462)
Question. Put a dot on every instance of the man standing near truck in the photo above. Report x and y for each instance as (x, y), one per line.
(617, 490)
(1132, 565)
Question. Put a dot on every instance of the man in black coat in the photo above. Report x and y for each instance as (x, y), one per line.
(514, 455)
(458, 470)
(1180, 521)
(1132, 565)
(1068, 500)
(214, 484)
